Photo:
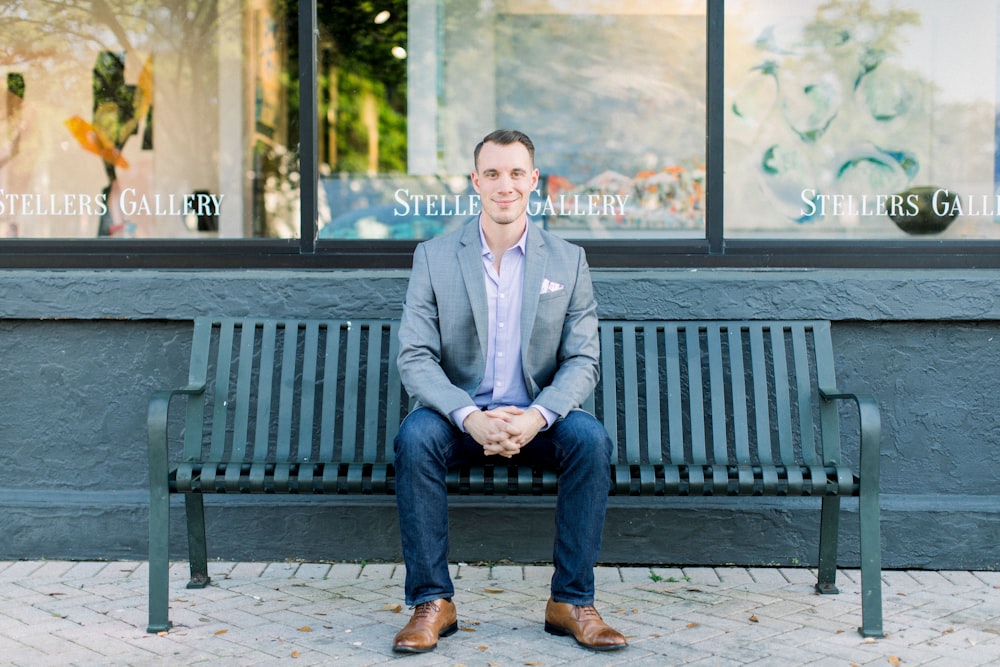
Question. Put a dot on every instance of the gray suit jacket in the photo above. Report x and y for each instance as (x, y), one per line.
(442, 336)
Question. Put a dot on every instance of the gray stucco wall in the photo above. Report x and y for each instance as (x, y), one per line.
(84, 349)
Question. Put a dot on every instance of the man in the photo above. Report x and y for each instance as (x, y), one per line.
(499, 347)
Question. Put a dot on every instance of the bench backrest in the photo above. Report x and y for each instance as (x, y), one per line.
(294, 391)
(703, 395)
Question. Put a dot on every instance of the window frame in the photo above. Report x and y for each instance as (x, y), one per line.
(306, 252)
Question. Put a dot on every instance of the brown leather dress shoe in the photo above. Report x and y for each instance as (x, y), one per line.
(584, 624)
(430, 620)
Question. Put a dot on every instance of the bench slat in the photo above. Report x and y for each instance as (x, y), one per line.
(717, 408)
(244, 399)
(630, 391)
(651, 358)
(221, 394)
(738, 393)
(286, 392)
(352, 372)
(394, 389)
(759, 394)
(373, 398)
(609, 384)
(717, 385)
(307, 403)
(331, 368)
(696, 403)
(265, 382)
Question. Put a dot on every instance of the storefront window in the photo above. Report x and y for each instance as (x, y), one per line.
(861, 119)
(611, 92)
(858, 121)
(146, 119)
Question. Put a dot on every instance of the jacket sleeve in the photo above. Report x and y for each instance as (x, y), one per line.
(420, 346)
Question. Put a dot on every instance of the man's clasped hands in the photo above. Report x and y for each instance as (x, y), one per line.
(505, 430)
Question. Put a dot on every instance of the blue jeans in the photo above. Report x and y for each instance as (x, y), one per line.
(428, 444)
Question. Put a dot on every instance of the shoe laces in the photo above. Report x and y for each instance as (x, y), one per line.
(425, 609)
(589, 612)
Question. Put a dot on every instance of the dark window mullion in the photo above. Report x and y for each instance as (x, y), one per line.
(715, 126)
(308, 127)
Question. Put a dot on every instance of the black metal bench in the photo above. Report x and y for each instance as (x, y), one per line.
(695, 409)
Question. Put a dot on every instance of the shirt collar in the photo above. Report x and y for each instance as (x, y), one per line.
(521, 242)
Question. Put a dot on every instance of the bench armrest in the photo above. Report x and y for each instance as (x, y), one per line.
(871, 433)
(156, 428)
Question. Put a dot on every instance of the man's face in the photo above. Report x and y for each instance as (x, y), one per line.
(504, 179)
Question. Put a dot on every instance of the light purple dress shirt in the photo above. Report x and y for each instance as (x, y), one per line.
(503, 382)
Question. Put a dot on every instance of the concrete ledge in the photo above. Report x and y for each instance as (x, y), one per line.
(835, 294)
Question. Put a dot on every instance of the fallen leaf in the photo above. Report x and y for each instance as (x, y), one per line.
(948, 631)
(394, 608)
(295, 654)
(161, 633)
(305, 628)
(692, 625)
(754, 619)
(493, 590)
(894, 661)
(221, 632)
(482, 648)
(465, 629)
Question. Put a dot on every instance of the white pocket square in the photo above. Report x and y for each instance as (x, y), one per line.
(548, 286)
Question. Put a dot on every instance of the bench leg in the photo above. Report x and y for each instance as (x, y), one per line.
(871, 564)
(829, 527)
(194, 507)
(159, 548)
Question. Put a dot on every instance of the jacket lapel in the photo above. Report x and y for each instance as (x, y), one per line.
(535, 264)
(470, 259)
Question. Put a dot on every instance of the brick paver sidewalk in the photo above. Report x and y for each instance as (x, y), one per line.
(89, 614)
